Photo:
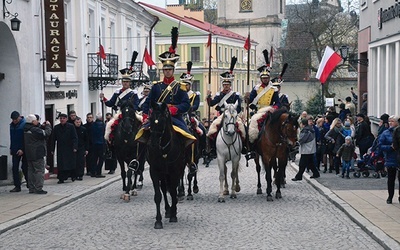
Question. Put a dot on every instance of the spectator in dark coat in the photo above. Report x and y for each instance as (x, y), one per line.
(89, 157)
(383, 124)
(343, 113)
(35, 150)
(364, 106)
(17, 149)
(67, 146)
(83, 146)
(364, 137)
(389, 144)
(335, 136)
(71, 116)
(99, 143)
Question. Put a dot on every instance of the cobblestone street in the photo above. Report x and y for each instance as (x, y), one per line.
(303, 219)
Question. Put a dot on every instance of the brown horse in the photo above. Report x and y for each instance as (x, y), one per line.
(278, 134)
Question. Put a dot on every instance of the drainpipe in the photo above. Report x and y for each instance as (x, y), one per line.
(156, 20)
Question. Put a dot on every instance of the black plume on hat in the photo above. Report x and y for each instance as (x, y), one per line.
(266, 57)
(233, 63)
(283, 70)
(187, 77)
(134, 56)
(189, 67)
(174, 39)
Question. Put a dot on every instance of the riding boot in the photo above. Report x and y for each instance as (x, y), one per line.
(192, 168)
(325, 169)
(251, 153)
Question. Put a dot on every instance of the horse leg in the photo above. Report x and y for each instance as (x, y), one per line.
(166, 203)
(237, 187)
(140, 173)
(222, 178)
(157, 199)
(181, 189)
(226, 186)
(189, 195)
(134, 187)
(174, 199)
(195, 187)
(268, 178)
(258, 169)
(235, 166)
(123, 175)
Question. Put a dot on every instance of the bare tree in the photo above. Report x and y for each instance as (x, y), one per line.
(311, 27)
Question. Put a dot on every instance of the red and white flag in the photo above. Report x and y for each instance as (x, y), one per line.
(102, 53)
(328, 64)
(208, 56)
(147, 58)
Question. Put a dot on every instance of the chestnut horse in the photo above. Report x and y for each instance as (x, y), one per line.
(278, 134)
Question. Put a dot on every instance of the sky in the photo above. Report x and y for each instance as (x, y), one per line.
(160, 3)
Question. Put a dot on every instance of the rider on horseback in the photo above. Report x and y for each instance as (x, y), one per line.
(264, 99)
(171, 92)
(230, 97)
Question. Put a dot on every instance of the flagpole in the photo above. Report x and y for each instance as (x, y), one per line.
(248, 89)
(101, 76)
(209, 87)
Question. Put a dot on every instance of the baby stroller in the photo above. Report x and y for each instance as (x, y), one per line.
(372, 161)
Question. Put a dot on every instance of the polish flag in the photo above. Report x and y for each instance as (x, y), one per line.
(208, 56)
(328, 64)
(102, 53)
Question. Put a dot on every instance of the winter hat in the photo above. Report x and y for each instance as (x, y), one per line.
(30, 118)
(347, 124)
(348, 138)
(14, 115)
(384, 117)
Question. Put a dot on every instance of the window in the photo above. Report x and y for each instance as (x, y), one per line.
(220, 54)
(112, 48)
(92, 32)
(103, 34)
(68, 28)
(226, 54)
(195, 85)
(195, 54)
(129, 43)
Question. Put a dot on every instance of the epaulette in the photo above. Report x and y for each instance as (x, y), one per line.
(275, 88)
(257, 86)
(117, 91)
(183, 86)
(135, 91)
(237, 93)
(198, 93)
(155, 82)
(218, 93)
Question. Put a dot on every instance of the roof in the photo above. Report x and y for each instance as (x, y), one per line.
(205, 26)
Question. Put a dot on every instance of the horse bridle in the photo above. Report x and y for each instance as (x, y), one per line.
(231, 121)
(283, 136)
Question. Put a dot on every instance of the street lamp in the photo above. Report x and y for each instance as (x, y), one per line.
(344, 53)
(15, 22)
(57, 82)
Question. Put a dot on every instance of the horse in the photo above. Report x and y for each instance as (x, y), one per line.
(229, 147)
(278, 134)
(128, 151)
(192, 157)
(167, 161)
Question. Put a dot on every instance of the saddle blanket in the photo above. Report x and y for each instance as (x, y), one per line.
(143, 135)
(256, 122)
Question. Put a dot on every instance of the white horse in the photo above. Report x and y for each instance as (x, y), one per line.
(229, 147)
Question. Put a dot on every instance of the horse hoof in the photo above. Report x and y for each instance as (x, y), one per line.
(189, 197)
(233, 196)
(283, 185)
(134, 193)
(181, 198)
(278, 195)
(122, 196)
(269, 198)
(139, 187)
(237, 189)
(127, 197)
(173, 219)
(167, 214)
(259, 191)
(226, 192)
(158, 225)
(221, 199)
(195, 190)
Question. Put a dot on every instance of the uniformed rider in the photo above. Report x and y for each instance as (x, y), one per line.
(229, 96)
(121, 95)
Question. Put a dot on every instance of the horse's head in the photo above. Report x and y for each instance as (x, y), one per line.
(160, 119)
(289, 128)
(230, 118)
(129, 122)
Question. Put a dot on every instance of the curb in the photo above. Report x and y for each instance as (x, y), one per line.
(54, 206)
(376, 233)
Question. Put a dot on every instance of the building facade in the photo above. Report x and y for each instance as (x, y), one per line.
(379, 42)
(28, 82)
(192, 46)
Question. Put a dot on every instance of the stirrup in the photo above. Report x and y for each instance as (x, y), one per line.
(250, 155)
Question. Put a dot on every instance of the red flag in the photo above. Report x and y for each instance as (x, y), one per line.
(247, 43)
(328, 64)
(147, 58)
(102, 53)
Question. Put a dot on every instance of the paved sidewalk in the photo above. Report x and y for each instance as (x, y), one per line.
(366, 207)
